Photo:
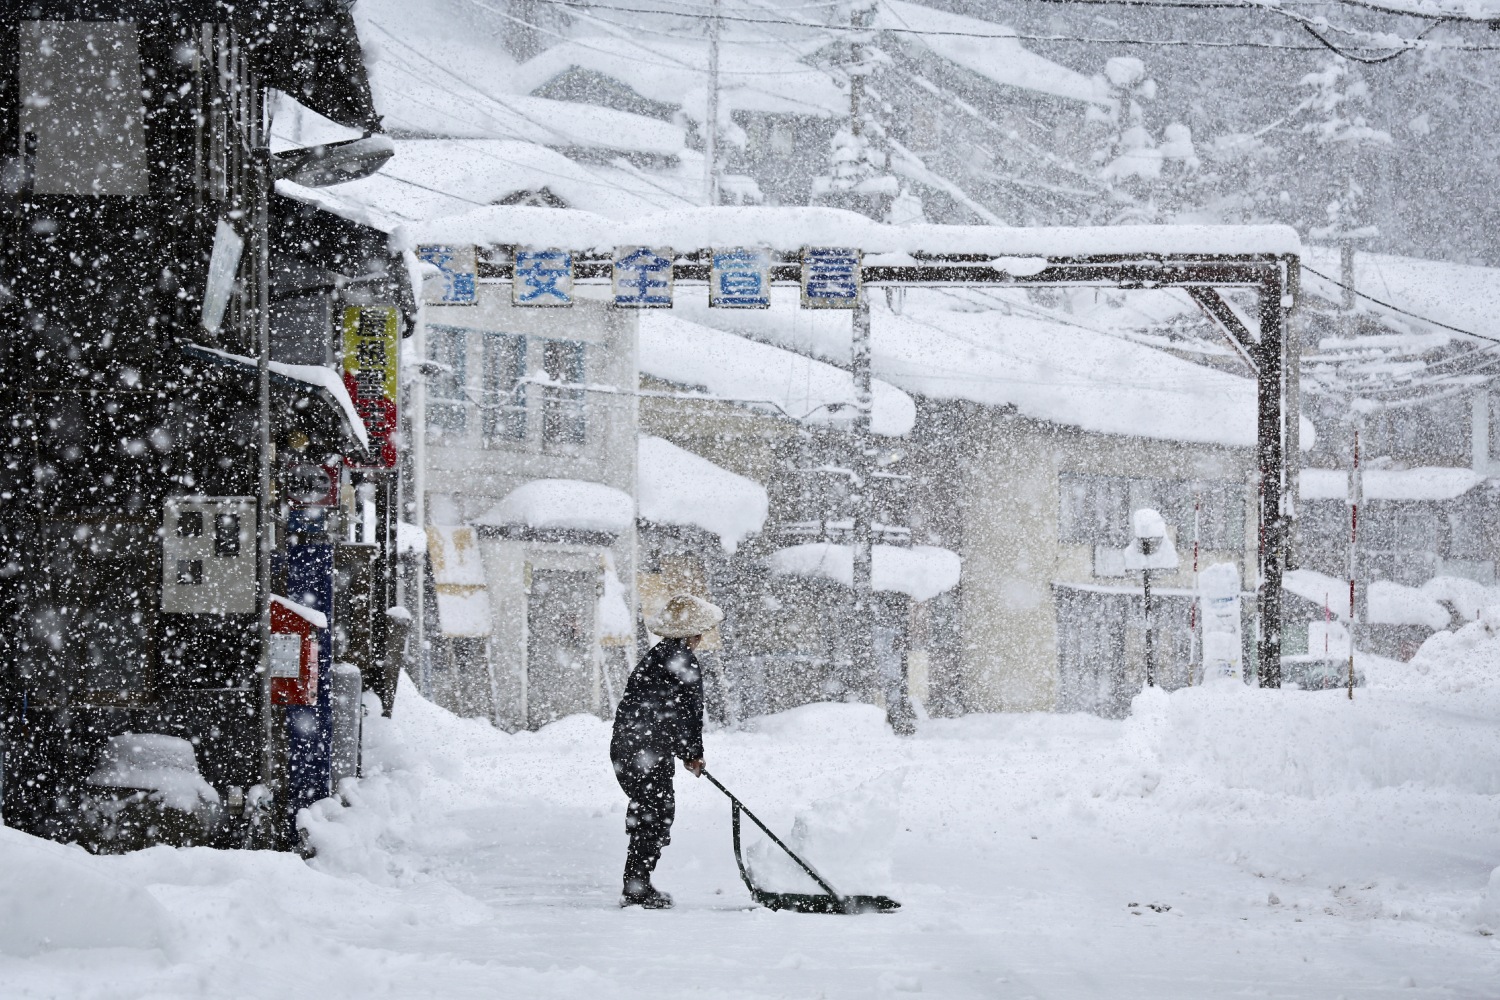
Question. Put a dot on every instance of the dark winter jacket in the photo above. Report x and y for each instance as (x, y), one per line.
(663, 704)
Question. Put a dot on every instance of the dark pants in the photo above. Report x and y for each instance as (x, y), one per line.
(646, 777)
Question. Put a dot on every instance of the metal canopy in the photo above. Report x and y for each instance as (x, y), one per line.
(1265, 350)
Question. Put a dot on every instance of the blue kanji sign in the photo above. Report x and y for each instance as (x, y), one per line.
(643, 278)
(741, 279)
(455, 283)
(542, 278)
(830, 277)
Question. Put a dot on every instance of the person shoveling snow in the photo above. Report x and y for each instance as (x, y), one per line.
(660, 717)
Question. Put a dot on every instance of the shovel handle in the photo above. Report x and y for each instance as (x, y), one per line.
(740, 807)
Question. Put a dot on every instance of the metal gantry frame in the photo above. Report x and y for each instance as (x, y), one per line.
(1265, 342)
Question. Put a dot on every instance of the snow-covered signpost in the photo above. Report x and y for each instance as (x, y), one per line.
(1150, 548)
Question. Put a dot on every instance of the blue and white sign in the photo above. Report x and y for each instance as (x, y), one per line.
(740, 279)
(455, 283)
(830, 277)
(542, 278)
(643, 277)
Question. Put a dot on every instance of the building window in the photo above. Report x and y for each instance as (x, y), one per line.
(564, 418)
(447, 404)
(1399, 541)
(1095, 510)
(504, 392)
(1434, 434)
(80, 89)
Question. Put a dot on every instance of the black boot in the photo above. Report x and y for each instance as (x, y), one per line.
(644, 895)
(637, 889)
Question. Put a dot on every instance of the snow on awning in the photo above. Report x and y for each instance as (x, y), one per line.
(1431, 604)
(790, 227)
(321, 378)
(731, 367)
(312, 616)
(458, 578)
(564, 505)
(921, 572)
(679, 487)
(1426, 483)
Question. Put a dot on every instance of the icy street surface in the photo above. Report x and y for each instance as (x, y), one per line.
(1221, 842)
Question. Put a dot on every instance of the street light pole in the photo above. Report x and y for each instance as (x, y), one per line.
(711, 113)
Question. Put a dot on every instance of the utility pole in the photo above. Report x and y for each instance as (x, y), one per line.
(1356, 479)
(711, 113)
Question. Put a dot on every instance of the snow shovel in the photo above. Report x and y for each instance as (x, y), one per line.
(830, 900)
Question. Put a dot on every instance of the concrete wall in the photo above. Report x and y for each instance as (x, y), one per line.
(465, 478)
(1007, 490)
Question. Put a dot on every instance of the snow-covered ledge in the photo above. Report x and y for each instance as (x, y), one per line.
(921, 572)
(682, 488)
(563, 505)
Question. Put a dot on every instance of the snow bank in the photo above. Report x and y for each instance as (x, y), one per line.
(55, 896)
(921, 572)
(847, 838)
(678, 487)
(1465, 660)
(731, 367)
(564, 505)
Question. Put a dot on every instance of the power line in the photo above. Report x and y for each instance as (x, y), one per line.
(1395, 308)
(1385, 50)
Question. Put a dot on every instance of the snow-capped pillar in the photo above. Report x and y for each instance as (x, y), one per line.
(1275, 303)
(863, 639)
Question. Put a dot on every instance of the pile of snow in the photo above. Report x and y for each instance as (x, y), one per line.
(1465, 660)
(58, 896)
(163, 765)
(676, 486)
(564, 505)
(847, 838)
(921, 572)
(732, 367)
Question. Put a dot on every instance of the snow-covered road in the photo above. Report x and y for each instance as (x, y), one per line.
(1217, 843)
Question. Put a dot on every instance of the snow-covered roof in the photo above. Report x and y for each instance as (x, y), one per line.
(564, 505)
(316, 376)
(1394, 603)
(676, 486)
(1460, 295)
(1427, 483)
(412, 107)
(921, 572)
(753, 76)
(993, 55)
(312, 616)
(729, 366)
(1064, 374)
(429, 179)
(1017, 249)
